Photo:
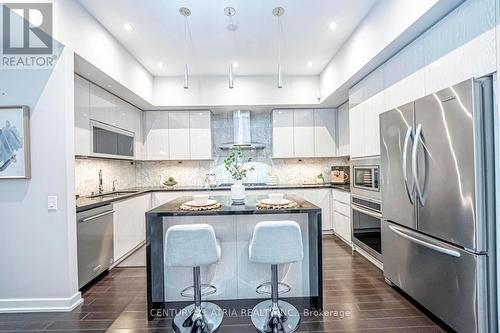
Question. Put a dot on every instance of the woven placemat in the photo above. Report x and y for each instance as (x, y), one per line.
(261, 205)
(200, 208)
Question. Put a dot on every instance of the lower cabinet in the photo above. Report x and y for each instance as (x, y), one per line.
(341, 217)
(129, 224)
(320, 197)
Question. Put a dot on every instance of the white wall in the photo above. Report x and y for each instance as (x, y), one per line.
(248, 90)
(37, 246)
(76, 28)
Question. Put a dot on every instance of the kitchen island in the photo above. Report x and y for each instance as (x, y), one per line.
(234, 276)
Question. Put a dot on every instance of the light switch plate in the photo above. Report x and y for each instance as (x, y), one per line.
(52, 202)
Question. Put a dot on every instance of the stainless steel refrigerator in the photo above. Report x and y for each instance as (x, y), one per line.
(437, 184)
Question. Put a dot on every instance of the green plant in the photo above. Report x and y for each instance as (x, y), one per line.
(235, 162)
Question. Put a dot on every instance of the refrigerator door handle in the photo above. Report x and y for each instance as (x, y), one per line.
(419, 138)
(409, 134)
(437, 248)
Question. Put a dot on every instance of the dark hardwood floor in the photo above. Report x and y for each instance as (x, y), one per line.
(356, 300)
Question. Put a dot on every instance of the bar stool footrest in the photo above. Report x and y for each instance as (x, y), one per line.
(206, 289)
(265, 288)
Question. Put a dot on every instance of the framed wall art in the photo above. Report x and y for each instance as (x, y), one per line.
(14, 142)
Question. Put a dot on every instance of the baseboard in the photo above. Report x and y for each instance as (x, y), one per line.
(41, 304)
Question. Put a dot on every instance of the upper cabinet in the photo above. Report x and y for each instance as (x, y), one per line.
(93, 103)
(156, 139)
(324, 133)
(103, 105)
(200, 135)
(177, 135)
(82, 116)
(343, 130)
(283, 137)
(304, 133)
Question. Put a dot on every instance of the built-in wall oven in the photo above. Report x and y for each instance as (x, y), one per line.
(366, 206)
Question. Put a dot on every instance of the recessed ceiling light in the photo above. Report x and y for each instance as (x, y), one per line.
(235, 64)
(128, 27)
(309, 64)
(160, 64)
(333, 25)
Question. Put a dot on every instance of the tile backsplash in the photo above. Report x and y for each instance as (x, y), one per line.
(192, 173)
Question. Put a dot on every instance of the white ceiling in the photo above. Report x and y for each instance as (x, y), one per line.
(158, 33)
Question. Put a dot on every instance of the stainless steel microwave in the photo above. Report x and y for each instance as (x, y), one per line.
(111, 142)
(366, 177)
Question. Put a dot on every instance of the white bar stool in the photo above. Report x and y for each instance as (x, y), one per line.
(274, 243)
(194, 245)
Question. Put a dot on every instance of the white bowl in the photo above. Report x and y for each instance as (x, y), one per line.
(200, 199)
(275, 198)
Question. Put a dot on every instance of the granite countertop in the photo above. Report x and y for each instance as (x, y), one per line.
(172, 208)
(84, 203)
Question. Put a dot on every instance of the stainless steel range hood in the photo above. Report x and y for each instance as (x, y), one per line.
(242, 136)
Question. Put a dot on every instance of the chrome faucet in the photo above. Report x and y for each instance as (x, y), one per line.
(114, 185)
(101, 187)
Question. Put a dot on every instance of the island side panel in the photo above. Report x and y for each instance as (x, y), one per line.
(154, 263)
(316, 259)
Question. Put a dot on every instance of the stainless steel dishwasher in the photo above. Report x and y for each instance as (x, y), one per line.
(95, 242)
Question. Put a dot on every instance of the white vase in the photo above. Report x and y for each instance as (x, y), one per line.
(238, 193)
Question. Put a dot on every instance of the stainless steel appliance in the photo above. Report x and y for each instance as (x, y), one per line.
(110, 141)
(366, 225)
(95, 242)
(366, 177)
(242, 134)
(437, 179)
(365, 206)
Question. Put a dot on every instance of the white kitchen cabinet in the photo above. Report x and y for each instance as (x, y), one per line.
(303, 132)
(283, 138)
(125, 115)
(103, 105)
(372, 125)
(156, 135)
(342, 223)
(324, 133)
(200, 135)
(321, 197)
(82, 116)
(343, 130)
(129, 224)
(178, 135)
(138, 131)
(357, 131)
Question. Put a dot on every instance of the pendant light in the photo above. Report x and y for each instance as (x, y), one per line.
(186, 12)
(231, 27)
(278, 12)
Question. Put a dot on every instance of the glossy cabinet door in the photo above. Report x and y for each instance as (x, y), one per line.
(324, 133)
(156, 138)
(321, 197)
(103, 105)
(303, 132)
(357, 131)
(343, 130)
(178, 135)
(82, 116)
(129, 224)
(341, 215)
(283, 138)
(200, 135)
(125, 118)
(138, 131)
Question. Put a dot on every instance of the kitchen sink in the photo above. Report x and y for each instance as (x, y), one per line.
(112, 194)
